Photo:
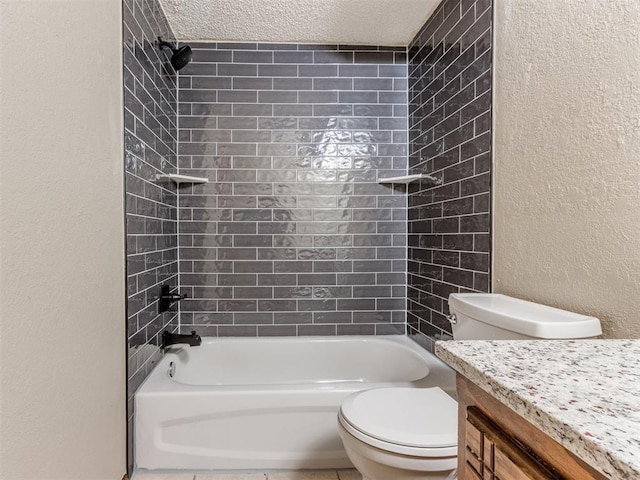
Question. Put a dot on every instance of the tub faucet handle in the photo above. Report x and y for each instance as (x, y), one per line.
(167, 298)
(175, 297)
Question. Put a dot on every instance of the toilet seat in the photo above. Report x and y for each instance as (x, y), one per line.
(420, 422)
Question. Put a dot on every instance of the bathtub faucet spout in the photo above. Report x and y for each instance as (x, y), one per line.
(168, 339)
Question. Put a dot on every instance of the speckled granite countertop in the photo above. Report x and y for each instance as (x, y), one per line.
(585, 394)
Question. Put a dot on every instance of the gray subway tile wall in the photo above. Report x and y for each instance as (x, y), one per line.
(450, 138)
(293, 235)
(150, 136)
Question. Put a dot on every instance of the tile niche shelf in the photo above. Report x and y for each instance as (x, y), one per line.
(407, 179)
(178, 179)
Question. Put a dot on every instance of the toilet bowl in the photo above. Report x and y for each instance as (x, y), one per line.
(400, 433)
(411, 434)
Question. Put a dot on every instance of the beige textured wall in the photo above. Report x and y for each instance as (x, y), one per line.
(62, 371)
(567, 157)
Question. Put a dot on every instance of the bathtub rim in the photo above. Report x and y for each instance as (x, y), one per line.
(439, 374)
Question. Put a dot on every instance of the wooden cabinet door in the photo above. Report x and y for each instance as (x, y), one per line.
(493, 420)
(492, 455)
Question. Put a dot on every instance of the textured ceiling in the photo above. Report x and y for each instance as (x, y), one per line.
(360, 22)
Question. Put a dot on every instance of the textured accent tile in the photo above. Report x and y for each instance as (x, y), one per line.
(316, 330)
(450, 138)
(296, 137)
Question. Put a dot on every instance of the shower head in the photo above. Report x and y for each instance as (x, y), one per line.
(180, 57)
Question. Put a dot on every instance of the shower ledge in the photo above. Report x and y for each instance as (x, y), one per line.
(407, 179)
(178, 179)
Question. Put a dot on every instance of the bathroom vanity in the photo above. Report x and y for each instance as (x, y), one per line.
(564, 409)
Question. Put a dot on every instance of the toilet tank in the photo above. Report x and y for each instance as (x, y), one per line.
(492, 316)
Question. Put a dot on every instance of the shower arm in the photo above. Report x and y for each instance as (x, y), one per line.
(162, 44)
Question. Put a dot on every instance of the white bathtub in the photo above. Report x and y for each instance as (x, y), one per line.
(267, 403)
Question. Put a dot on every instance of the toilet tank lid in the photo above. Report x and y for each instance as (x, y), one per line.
(523, 317)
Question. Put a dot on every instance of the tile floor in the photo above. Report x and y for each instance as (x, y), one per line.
(301, 475)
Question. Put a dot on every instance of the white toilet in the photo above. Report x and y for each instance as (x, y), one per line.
(411, 433)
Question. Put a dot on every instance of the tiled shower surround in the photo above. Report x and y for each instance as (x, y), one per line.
(450, 138)
(293, 235)
(151, 206)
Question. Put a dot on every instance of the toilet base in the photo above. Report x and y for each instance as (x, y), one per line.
(377, 464)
